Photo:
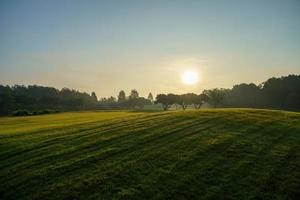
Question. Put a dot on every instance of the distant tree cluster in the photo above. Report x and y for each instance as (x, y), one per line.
(275, 93)
(213, 97)
(34, 98)
(38, 100)
(181, 100)
(133, 101)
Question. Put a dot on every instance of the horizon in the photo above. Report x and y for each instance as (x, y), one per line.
(106, 46)
(127, 92)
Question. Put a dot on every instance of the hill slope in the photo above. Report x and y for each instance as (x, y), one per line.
(209, 154)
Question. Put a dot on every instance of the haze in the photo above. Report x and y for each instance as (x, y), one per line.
(106, 46)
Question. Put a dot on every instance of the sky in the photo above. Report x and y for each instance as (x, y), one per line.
(106, 46)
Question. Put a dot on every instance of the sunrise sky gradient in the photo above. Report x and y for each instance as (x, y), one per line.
(106, 46)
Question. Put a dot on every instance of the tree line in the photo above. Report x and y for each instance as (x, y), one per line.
(40, 99)
(275, 93)
(132, 101)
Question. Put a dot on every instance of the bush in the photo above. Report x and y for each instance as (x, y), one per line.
(21, 113)
(39, 112)
(43, 112)
(35, 113)
(47, 111)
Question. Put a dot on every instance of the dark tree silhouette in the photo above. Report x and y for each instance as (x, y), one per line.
(186, 99)
(215, 96)
(7, 101)
(279, 92)
(244, 95)
(94, 97)
(121, 96)
(139, 102)
(134, 94)
(164, 100)
(199, 100)
(275, 93)
(150, 97)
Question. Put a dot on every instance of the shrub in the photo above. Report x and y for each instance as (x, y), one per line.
(47, 111)
(21, 113)
(39, 112)
(35, 113)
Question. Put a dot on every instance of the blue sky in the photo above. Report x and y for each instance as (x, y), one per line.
(105, 46)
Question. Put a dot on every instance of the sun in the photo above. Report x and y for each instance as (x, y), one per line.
(190, 77)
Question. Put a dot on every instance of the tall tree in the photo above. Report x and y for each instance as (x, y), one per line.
(216, 96)
(134, 94)
(150, 97)
(94, 97)
(121, 96)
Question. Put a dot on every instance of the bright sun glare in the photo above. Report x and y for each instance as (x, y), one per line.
(189, 77)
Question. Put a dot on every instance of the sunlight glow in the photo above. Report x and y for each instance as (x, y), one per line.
(190, 77)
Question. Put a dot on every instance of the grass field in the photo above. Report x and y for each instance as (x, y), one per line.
(208, 154)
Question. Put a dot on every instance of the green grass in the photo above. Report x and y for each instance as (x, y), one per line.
(208, 154)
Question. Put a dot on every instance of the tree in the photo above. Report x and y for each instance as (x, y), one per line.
(140, 102)
(164, 100)
(292, 102)
(276, 91)
(180, 101)
(94, 97)
(121, 96)
(6, 100)
(134, 94)
(150, 97)
(111, 99)
(198, 100)
(173, 99)
(244, 95)
(186, 99)
(215, 96)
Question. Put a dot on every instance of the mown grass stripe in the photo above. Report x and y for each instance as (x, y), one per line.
(212, 154)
